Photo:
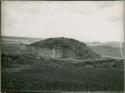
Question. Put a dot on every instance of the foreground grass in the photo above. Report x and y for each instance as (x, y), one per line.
(62, 75)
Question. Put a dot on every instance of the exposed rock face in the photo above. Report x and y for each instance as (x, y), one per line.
(65, 48)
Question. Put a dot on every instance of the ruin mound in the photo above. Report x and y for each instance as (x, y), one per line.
(66, 48)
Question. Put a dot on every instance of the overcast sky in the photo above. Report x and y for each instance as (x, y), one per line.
(83, 20)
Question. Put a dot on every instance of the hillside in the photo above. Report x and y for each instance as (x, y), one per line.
(24, 67)
(107, 49)
(66, 48)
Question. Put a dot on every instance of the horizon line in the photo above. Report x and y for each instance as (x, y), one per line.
(55, 37)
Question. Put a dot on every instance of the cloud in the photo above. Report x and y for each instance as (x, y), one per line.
(111, 10)
(85, 21)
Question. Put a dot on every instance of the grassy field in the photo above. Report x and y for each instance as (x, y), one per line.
(60, 75)
(23, 70)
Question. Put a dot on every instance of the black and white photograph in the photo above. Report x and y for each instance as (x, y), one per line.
(62, 46)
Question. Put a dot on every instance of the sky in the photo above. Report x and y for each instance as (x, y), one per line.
(95, 21)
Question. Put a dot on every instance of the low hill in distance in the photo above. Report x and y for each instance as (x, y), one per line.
(61, 47)
(107, 49)
(18, 40)
(106, 44)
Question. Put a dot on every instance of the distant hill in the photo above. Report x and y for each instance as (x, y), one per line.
(107, 44)
(18, 40)
(111, 49)
(65, 48)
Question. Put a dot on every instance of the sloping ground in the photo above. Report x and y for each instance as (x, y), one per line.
(27, 71)
(107, 51)
(62, 75)
(17, 49)
(67, 48)
(12, 45)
